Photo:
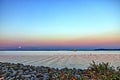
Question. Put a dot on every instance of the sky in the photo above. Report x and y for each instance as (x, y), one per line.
(83, 24)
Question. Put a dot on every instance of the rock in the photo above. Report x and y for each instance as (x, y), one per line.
(45, 76)
(26, 76)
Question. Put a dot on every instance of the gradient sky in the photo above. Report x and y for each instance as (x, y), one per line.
(60, 23)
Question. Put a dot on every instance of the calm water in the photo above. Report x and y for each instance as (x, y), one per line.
(60, 59)
(56, 52)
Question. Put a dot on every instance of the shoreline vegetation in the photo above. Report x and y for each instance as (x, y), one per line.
(95, 71)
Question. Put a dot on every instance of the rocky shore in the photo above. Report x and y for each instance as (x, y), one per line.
(11, 71)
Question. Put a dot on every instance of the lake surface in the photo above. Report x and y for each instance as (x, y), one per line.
(60, 59)
(56, 52)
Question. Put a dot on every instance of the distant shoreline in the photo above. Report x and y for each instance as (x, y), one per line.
(59, 49)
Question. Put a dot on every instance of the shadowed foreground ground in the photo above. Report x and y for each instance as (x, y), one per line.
(101, 71)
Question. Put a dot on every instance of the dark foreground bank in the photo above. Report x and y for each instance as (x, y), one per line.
(101, 71)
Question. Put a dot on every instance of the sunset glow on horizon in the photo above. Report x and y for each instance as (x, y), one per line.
(81, 24)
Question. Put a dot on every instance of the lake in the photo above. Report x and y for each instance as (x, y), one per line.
(60, 59)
